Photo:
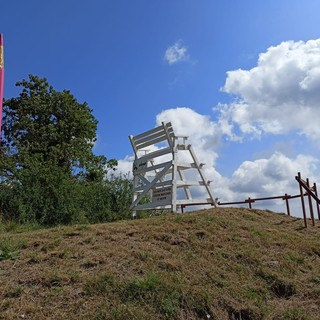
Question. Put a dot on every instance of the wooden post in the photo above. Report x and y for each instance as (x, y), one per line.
(310, 204)
(249, 200)
(287, 204)
(302, 201)
(317, 204)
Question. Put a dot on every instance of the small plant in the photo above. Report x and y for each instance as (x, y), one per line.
(142, 255)
(14, 292)
(101, 285)
(142, 287)
(9, 249)
(294, 314)
(33, 258)
(170, 305)
(295, 258)
(179, 219)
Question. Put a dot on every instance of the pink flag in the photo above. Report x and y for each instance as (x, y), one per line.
(1, 80)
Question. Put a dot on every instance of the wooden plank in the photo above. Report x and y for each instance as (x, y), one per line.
(155, 167)
(190, 183)
(194, 201)
(151, 142)
(157, 185)
(157, 153)
(146, 133)
(151, 137)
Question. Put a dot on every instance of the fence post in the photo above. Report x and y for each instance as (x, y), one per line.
(287, 204)
(249, 202)
(317, 204)
(302, 201)
(310, 204)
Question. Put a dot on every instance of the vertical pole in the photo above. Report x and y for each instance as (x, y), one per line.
(174, 175)
(287, 204)
(249, 200)
(310, 203)
(302, 201)
(1, 81)
(317, 204)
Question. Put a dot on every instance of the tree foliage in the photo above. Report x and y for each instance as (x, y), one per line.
(49, 173)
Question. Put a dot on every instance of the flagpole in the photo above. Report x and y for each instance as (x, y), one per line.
(1, 81)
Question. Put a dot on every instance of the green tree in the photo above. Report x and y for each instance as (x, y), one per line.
(46, 155)
(49, 126)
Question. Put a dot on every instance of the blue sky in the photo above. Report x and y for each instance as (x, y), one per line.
(195, 63)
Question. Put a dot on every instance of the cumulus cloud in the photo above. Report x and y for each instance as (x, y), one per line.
(200, 129)
(272, 176)
(176, 53)
(279, 95)
(264, 177)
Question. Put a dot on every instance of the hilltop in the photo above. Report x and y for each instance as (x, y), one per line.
(222, 263)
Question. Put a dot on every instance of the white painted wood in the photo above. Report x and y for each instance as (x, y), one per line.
(162, 181)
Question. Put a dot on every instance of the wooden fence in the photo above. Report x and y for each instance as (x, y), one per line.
(305, 191)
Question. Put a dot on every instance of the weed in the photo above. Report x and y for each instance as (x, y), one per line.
(71, 234)
(210, 218)
(258, 233)
(198, 303)
(10, 249)
(74, 276)
(295, 258)
(141, 255)
(170, 305)
(101, 285)
(4, 305)
(88, 240)
(33, 257)
(14, 292)
(53, 281)
(82, 227)
(278, 287)
(254, 295)
(14, 227)
(128, 311)
(142, 287)
(179, 219)
(51, 245)
(294, 314)
(235, 237)
(224, 224)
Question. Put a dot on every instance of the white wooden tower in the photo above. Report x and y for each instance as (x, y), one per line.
(159, 174)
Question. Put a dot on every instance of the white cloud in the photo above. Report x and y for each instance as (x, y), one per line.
(124, 167)
(265, 177)
(279, 95)
(202, 132)
(272, 176)
(176, 53)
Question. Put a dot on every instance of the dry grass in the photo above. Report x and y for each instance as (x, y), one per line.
(214, 264)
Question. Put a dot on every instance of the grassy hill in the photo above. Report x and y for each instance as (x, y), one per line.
(213, 264)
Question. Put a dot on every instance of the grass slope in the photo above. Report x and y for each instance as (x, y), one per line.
(213, 264)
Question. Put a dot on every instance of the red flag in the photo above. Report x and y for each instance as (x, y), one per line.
(1, 80)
